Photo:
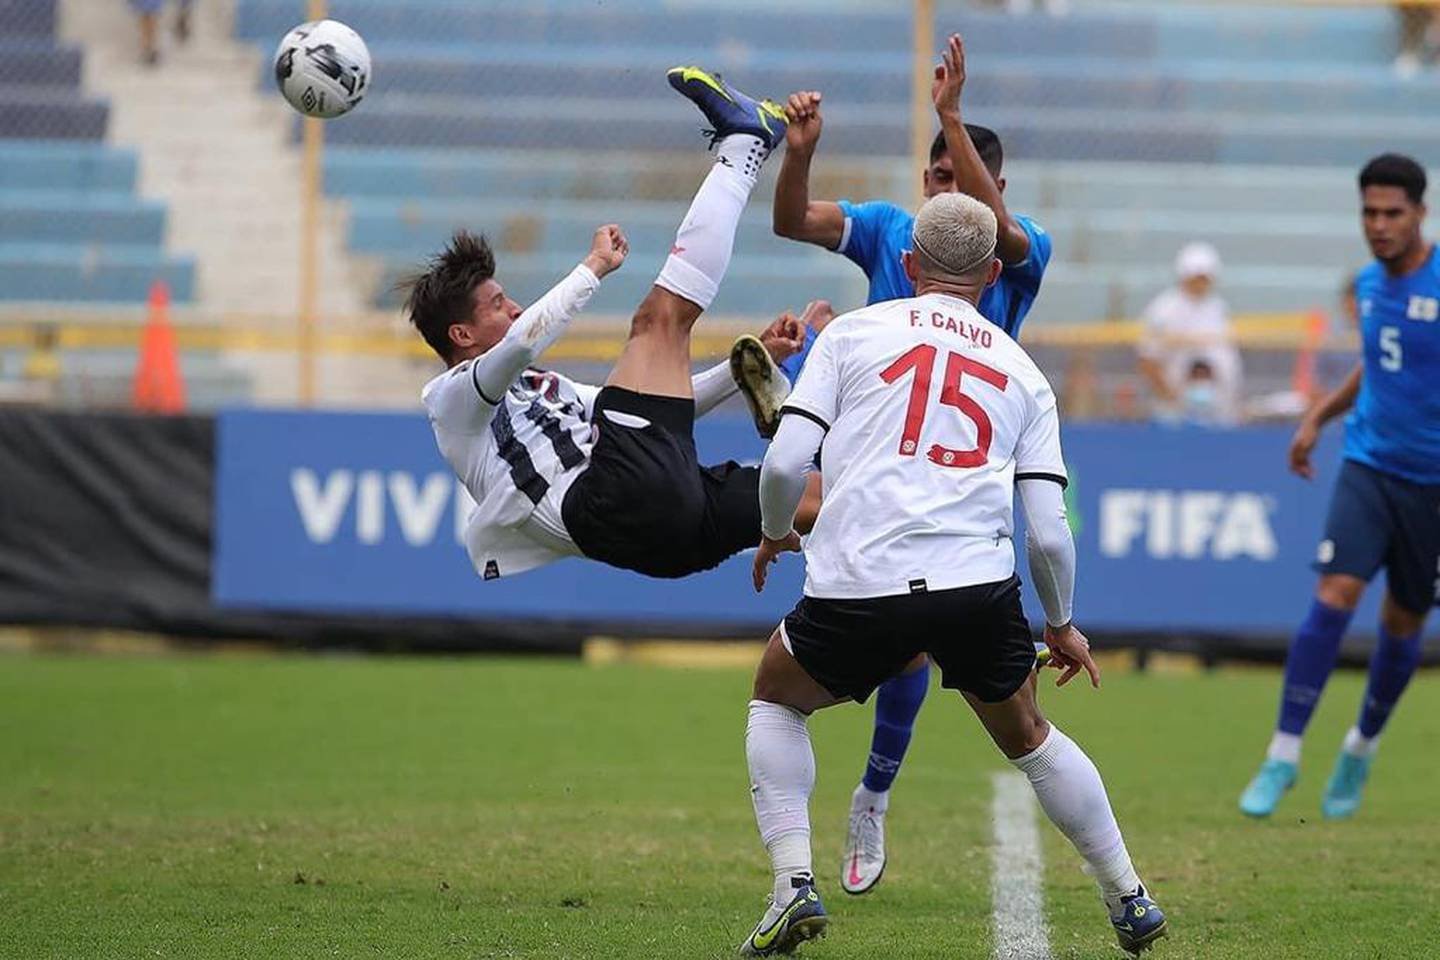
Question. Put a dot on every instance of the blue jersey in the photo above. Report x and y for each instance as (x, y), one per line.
(1395, 426)
(877, 233)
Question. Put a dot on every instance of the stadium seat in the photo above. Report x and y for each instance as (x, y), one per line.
(1128, 131)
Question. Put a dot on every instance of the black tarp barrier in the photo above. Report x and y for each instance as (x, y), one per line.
(105, 521)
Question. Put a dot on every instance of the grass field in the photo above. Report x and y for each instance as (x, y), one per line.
(294, 807)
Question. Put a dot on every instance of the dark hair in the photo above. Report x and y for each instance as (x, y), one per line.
(1395, 170)
(444, 292)
(987, 144)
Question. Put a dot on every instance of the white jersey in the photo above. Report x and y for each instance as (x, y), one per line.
(932, 414)
(516, 457)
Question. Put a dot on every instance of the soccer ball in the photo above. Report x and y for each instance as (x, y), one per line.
(323, 68)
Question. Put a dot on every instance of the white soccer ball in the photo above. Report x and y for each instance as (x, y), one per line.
(323, 68)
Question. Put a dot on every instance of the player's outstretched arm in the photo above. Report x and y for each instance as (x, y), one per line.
(1307, 434)
(795, 215)
(1012, 242)
(545, 320)
(782, 486)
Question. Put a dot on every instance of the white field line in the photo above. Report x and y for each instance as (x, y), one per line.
(1016, 872)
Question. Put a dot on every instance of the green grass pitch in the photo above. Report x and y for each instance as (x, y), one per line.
(295, 807)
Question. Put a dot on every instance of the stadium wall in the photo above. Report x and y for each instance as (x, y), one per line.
(345, 529)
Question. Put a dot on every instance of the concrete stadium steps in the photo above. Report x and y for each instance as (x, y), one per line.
(763, 286)
(536, 123)
(492, 176)
(218, 158)
(1172, 83)
(50, 113)
(1249, 191)
(754, 286)
(54, 216)
(37, 62)
(396, 230)
(1152, 31)
(71, 227)
(90, 274)
(1130, 129)
(75, 167)
(492, 71)
(27, 18)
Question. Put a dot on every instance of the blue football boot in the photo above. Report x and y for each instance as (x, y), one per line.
(1140, 922)
(728, 110)
(1269, 785)
(782, 929)
(1347, 783)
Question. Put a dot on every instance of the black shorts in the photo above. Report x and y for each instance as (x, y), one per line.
(645, 504)
(978, 636)
(1381, 520)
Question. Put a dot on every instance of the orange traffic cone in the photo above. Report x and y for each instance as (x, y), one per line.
(158, 385)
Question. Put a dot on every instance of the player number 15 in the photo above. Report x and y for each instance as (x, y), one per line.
(921, 360)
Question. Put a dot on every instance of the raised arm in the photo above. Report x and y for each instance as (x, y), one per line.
(545, 320)
(1012, 242)
(1341, 399)
(795, 215)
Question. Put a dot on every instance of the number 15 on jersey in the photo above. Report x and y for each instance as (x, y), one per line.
(920, 360)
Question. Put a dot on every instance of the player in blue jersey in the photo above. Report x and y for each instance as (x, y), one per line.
(1385, 509)
(875, 235)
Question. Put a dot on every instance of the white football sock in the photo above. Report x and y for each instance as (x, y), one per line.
(866, 799)
(782, 774)
(701, 254)
(1284, 746)
(1358, 745)
(1072, 795)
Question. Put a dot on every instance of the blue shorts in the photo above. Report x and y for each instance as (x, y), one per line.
(1378, 519)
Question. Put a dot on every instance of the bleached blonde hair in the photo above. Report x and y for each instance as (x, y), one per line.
(954, 237)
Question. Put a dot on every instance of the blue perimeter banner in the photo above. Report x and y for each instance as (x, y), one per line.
(1177, 530)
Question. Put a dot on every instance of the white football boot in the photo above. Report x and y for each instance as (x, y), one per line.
(864, 862)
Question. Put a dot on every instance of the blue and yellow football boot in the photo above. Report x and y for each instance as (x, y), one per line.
(782, 929)
(1139, 923)
(728, 110)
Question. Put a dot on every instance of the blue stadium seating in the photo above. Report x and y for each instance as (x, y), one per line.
(69, 273)
(71, 226)
(1129, 129)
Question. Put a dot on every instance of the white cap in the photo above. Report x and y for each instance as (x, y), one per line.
(1197, 260)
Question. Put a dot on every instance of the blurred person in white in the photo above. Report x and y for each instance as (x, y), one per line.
(1419, 37)
(149, 13)
(1055, 8)
(1186, 324)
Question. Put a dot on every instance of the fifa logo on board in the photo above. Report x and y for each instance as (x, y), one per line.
(1187, 524)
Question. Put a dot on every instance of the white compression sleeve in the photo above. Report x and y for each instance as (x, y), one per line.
(533, 332)
(712, 387)
(782, 476)
(1050, 547)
